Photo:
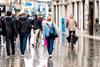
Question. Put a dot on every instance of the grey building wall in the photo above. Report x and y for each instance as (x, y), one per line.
(78, 8)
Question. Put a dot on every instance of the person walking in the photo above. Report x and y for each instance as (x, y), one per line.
(40, 20)
(71, 24)
(9, 31)
(24, 29)
(46, 32)
(37, 28)
(0, 32)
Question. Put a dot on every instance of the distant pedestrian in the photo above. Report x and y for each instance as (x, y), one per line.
(40, 20)
(71, 23)
(37, 28)
(9, 31)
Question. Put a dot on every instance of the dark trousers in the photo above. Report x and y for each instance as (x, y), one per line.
(10, 43)
(50, 42)
(23, 43)
(75, 38)
(71, 32)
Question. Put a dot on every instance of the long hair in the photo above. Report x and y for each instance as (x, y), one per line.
(48, 18)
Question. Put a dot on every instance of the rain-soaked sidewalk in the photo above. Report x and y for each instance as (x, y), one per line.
(86, 54)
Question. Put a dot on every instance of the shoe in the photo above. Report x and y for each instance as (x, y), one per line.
(22, 56)
(50, 59)
(33, 45)
(50, 56)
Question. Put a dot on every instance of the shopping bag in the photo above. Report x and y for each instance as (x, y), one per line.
(45, 42)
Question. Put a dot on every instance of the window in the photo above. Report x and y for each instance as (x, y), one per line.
(73, 8)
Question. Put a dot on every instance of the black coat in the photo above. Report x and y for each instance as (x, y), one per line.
(9, 26)
(0, 25)
(24, 25)
(36, 24)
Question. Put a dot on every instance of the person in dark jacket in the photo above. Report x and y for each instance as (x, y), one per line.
(36, 23)
(9, 30)
(37, 27)
(24, 28)
(40, 20)
(1, 18)
(0, 30)
(0, 26)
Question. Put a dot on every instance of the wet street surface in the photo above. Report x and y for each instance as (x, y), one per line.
(86, 54)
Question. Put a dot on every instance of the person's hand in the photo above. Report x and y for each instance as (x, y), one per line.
(32, 26)
(43, 36)
(17, 39)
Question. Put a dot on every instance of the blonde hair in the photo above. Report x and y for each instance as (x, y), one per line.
(48, 18)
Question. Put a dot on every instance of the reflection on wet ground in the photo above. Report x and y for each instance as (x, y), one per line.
(86, 54)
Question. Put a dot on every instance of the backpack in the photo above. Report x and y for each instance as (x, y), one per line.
(52, 32)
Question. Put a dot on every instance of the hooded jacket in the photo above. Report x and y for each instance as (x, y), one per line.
(9, 26)
(24, 25)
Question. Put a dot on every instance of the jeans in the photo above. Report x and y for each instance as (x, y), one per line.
(50, 42)
(23, 43)
(10, 43)
(71, 32)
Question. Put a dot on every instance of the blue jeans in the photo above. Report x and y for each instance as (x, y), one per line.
(50, 42)
(23, 43)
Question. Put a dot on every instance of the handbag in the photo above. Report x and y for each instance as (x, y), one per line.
(52, 32)
(43, 41)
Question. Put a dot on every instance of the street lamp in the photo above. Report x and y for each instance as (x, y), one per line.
(49, 4)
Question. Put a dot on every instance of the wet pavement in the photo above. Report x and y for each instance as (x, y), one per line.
(86, 54)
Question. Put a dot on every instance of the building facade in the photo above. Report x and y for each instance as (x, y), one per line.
(85, 12)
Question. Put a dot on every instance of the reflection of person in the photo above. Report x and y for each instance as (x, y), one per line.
(11, 62)
(22, 63)
(8, 62)
(49, 63)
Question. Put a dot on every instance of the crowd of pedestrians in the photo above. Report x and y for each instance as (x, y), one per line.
(12, 26)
